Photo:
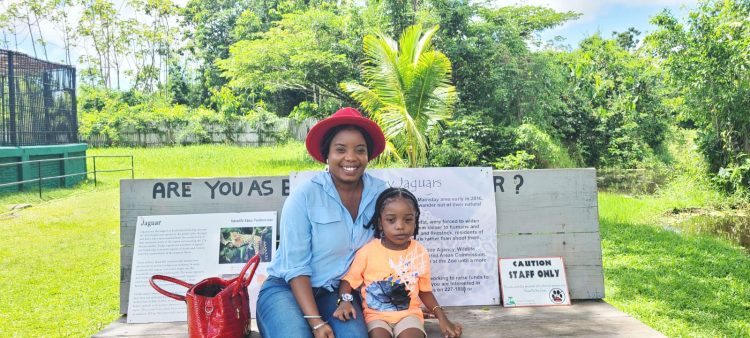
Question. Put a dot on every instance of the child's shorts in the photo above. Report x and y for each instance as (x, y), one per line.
(407, 322)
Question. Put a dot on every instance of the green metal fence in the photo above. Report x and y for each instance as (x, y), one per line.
(40, 179)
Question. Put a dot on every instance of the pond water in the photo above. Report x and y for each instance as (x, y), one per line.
(630, 181)
(735, 228)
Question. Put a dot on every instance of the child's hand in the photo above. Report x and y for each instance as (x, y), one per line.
(449, 329)
(345, 311)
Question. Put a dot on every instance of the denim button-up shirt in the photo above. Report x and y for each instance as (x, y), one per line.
(318, 236)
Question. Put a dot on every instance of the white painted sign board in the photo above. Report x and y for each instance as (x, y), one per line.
(193, 247)
(540, 212)
(533, 281)
(457, 226)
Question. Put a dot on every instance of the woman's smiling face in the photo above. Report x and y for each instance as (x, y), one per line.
(347, 156)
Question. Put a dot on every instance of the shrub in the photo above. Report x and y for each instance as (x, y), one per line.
(546, 151)
(517, 161)
(265, 123)
(471, 141)
(735, 178)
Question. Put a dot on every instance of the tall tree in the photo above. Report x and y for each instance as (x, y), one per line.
(708, 61)
(61, 18)
(627, 39)
(99, 22)
(7, 25)
(208, 30)
(614, 112)
(493, 45)
(155, 36)
(308, 52)
(406, 89)
(31, 12)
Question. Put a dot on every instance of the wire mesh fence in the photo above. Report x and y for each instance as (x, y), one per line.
(37, 101)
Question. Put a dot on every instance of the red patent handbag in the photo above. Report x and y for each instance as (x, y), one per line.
(216, 307)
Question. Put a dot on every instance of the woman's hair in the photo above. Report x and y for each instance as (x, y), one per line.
(387, 196)
(325, 145)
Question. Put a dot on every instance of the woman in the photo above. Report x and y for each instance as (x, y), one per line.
(322, 226)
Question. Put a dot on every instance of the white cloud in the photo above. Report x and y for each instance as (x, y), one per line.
(592, 9)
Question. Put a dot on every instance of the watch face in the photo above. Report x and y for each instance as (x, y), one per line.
(347, 297)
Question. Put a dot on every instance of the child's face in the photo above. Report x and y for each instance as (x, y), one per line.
(398, 221)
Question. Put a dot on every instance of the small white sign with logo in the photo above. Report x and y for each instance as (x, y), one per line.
(533, 281)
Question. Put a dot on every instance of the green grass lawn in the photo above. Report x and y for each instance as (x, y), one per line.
(60, 258)
(679, 284)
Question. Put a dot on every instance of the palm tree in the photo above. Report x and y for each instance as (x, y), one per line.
(406, 90)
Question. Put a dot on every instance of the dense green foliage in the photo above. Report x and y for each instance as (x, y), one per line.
(110, 115)
(613, 113)
(519, 101)
(708, 60)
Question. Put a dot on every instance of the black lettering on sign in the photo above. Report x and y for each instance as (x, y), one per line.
(499, 180)
(186, 189)
(236, 188)
(285, 187)
(170, 190)
(518, 178)
(255, 187)
(213, 188)
(224, 188)
(157, 190)
(267, 187)
(548, 273)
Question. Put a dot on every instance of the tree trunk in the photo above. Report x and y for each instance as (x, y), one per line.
(5, 40)
(31, 33)
(41, 38)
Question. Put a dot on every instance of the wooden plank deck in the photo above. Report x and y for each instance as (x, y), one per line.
(589, 318)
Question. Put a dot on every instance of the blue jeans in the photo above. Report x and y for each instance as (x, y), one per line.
(279, 315)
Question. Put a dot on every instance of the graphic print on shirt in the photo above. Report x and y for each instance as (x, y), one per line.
(393, 293)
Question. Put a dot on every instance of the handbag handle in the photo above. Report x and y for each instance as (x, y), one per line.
(255, 261)
(172, 280)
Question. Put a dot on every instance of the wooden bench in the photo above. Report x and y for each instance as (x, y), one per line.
(552, 213)
(587, 318)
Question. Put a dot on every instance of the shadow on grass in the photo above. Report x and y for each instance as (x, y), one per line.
(700, 285)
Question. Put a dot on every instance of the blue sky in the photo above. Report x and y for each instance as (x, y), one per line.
(605, 16)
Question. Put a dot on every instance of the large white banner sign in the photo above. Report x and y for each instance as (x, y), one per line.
(192, 248)
(457, 226)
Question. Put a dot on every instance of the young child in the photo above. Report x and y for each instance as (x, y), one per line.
(394, 272)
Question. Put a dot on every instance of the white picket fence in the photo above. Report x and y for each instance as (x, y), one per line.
(244, 134)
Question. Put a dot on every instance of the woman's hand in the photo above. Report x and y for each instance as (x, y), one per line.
(324, 331)
(345, 311)
(449, 329)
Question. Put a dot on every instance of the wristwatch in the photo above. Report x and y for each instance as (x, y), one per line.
(346, 297)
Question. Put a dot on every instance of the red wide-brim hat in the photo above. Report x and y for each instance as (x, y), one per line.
(344, 116)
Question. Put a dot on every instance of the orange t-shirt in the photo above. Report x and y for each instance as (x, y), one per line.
(392, 280)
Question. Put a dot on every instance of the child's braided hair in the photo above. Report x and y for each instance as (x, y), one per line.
(386, 197)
